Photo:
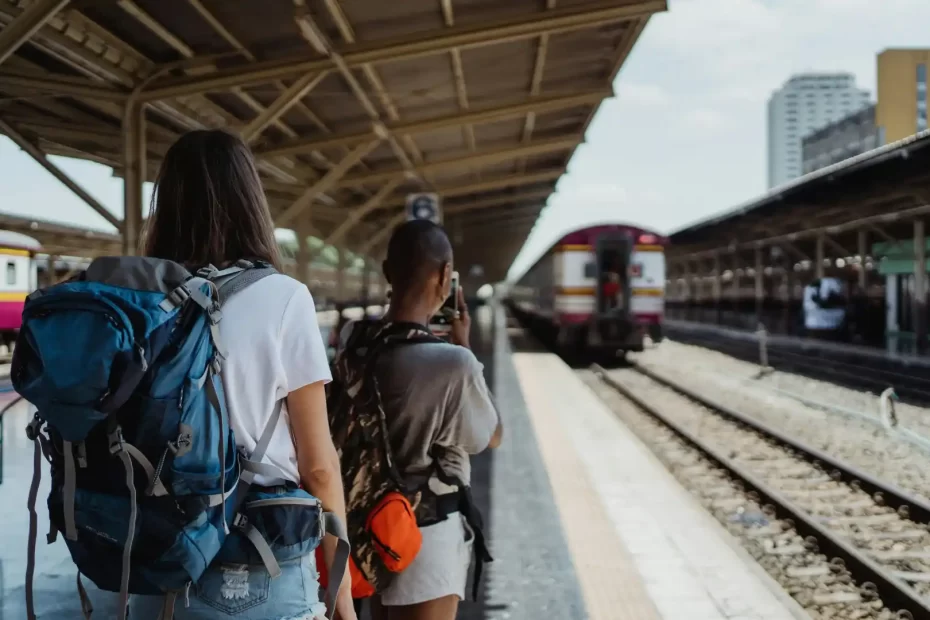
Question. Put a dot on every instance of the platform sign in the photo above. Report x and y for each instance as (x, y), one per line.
(424, 207)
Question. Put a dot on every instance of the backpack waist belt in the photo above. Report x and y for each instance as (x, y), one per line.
(461, 501)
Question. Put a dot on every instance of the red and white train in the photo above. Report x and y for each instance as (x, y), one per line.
(596, 290)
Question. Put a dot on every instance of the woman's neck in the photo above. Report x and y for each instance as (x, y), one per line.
(409, 310)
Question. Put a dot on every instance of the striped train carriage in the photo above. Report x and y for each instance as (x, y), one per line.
(596, 290)
(17, 261)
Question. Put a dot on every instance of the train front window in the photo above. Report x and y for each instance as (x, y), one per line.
(10, 273)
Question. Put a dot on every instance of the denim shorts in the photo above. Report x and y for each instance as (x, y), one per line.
(245, 593)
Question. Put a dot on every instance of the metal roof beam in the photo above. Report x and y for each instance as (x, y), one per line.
(281, 105)
(318, 40)
(34, 16)
(488, 185)
(536, 83)
(357, 213)
(864, 222)
(494, 216)
(383, 234)
(475, 205)
(59, 85)
(55, 171)
(477, 117)
(479, 158)
(373, 78)
(503, 225)
(325, 183)
(554, 21)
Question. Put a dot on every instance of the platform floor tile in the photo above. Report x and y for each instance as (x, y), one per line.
(643, 547)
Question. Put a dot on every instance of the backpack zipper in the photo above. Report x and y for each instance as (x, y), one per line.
(79, 301)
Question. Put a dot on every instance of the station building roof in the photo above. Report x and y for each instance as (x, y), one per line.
(881, 191)
(349, 105)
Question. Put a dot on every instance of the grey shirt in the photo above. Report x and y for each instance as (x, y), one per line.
(434, 395)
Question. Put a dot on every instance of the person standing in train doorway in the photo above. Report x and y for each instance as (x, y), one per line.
(438, 411)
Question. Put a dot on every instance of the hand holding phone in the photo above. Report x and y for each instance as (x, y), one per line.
(461, 325)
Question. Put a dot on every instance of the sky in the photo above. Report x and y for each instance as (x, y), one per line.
(683, 138)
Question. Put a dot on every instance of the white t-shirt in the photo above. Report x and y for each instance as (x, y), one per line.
(274, 347)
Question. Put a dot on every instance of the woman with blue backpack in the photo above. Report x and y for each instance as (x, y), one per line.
(185, 421)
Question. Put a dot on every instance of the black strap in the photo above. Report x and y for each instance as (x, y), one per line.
(463, 502)
(228, 287)
(129, 381)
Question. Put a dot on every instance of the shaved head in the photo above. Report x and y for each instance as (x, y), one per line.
(418, 251)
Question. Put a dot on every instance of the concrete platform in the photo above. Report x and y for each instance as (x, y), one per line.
(642, 547)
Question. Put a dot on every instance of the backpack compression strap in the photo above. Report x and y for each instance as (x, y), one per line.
(332, 524)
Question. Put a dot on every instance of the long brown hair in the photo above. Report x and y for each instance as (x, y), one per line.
(209, 206)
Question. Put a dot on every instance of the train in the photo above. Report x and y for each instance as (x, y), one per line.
(18, 261)
(597, 290)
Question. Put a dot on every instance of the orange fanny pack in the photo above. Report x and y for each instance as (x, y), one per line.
(393, 527)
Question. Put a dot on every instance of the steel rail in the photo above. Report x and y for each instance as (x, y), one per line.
(894, 592)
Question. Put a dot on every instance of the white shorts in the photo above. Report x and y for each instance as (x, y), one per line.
(441, 567)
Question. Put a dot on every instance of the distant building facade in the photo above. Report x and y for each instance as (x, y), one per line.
(807, 102)
(847, 137)
(902, 92)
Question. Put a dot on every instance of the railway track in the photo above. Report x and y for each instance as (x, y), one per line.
(845, 544)
(910, 381)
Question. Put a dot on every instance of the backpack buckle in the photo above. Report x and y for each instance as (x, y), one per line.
(179, 295)
(240, 521)
(116, 441)
(34, 428)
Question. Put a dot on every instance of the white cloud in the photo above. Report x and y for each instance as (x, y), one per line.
(707, 120)
(643, 94)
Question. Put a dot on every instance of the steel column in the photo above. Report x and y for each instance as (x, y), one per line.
(134, 173)
(920, 284)
(734, 279)
(50, 278)
(760, 283)
(819, 256)
(862, 248)
(303, 252)
(341, 269)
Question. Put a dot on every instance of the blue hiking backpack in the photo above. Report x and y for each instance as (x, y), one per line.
(123, 366)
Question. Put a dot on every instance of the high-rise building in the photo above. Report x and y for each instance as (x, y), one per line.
(803, 105)
(847, 137)
(901, 110)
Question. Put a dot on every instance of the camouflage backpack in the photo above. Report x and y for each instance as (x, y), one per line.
(380, 508)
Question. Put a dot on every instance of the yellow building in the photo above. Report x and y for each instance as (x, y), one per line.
(902, 93)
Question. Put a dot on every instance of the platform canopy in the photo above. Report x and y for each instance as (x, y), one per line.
(832, 212)
(349, 105)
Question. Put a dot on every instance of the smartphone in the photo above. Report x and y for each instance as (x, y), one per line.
(441, 323)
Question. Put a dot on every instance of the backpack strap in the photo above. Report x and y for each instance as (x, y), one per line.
(332, 524)
(236, 278)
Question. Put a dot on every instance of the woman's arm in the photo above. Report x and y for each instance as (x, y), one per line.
(318, 465)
